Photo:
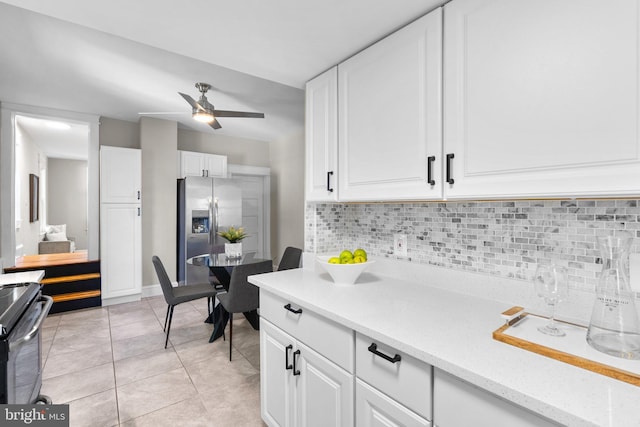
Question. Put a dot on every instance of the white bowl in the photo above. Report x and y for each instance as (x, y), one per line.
(343, 274)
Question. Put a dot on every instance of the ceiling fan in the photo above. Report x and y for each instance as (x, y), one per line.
(204, 111)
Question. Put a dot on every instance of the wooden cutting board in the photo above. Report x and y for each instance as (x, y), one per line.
(572, 348)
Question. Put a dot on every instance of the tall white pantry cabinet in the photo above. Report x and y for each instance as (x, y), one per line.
(120, 224)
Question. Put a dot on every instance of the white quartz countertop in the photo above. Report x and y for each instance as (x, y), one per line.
(22, 277)
(453, 332)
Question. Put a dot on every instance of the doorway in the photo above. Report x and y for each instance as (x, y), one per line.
(255, 183)
(11, 215)
(55, 154)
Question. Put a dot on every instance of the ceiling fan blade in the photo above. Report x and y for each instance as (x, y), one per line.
(214, 124)
(158, 113)
(192, 102)
(223, 113)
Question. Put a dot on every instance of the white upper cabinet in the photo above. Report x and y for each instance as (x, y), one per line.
(120, 175)
(321, 139)
(202, 164)
(541, 98)
(389, 108)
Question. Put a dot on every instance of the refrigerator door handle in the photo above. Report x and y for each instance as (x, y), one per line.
(215, 219)
(211, 237)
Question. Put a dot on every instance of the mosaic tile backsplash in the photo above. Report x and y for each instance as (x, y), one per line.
(505, 238)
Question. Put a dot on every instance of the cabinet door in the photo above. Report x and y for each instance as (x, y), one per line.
(389, 103)
(541, 98)
(120, 249)
(276, 382)
(479, 407)
(324, 391)
(215, 165)
(120, 175)
(321, 137)
(374, 409)
(192, 164)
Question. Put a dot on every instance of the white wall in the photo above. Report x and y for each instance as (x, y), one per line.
(239, 151)
(158, 140)
(119, 133)
(29, 160)
(287, 194)
(67, 197)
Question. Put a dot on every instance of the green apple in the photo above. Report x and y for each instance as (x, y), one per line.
(346, 255)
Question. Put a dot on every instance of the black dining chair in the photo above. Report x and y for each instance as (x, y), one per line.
(242, 296)
(290, 258)
(177, 295)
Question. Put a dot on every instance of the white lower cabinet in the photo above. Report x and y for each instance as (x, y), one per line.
(314, 372)
(392, 388)
(458, 403)
(299, 386)
(375, 409)
(323, 390)
(276, 384)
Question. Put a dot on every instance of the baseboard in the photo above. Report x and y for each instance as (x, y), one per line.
(120, 300)
(146, 291)
(151, 291)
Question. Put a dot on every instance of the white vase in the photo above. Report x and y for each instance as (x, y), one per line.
(233, 250)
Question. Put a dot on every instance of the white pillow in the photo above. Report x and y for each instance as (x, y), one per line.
(56, 237)
(56, 233)
(62, 228)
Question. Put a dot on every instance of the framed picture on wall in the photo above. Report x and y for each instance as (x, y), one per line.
(34, 197)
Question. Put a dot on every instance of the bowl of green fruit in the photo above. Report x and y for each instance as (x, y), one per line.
(346, 267)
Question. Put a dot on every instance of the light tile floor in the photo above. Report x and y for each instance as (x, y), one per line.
(109, 364)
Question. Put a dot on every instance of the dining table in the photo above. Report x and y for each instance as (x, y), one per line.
(221, 267)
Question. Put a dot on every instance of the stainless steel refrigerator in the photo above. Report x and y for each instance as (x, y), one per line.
(205, 206)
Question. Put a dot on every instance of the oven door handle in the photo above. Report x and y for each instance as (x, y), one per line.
(48, 302)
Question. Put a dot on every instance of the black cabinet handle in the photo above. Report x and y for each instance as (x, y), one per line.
(373, 348)
(138, 194)
(138, 211)
(449, 179)
(295, 370)
(287, 366)
(329, 189)
(430, 161)
(293, 310)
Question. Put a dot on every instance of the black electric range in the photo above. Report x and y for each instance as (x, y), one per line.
(22, 310)
(14, 298)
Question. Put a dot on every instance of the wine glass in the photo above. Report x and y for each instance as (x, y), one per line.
(551, 284)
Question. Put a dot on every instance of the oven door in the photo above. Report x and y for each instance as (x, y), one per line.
(24, 366)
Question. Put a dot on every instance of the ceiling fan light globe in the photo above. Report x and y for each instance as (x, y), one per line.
(203, 116)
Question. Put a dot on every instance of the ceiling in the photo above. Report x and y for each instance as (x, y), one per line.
(56, 139)
(119, 58)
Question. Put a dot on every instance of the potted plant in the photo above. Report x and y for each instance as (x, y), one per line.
(234, 235)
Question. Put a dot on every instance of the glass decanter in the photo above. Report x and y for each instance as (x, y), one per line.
(615, 327)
